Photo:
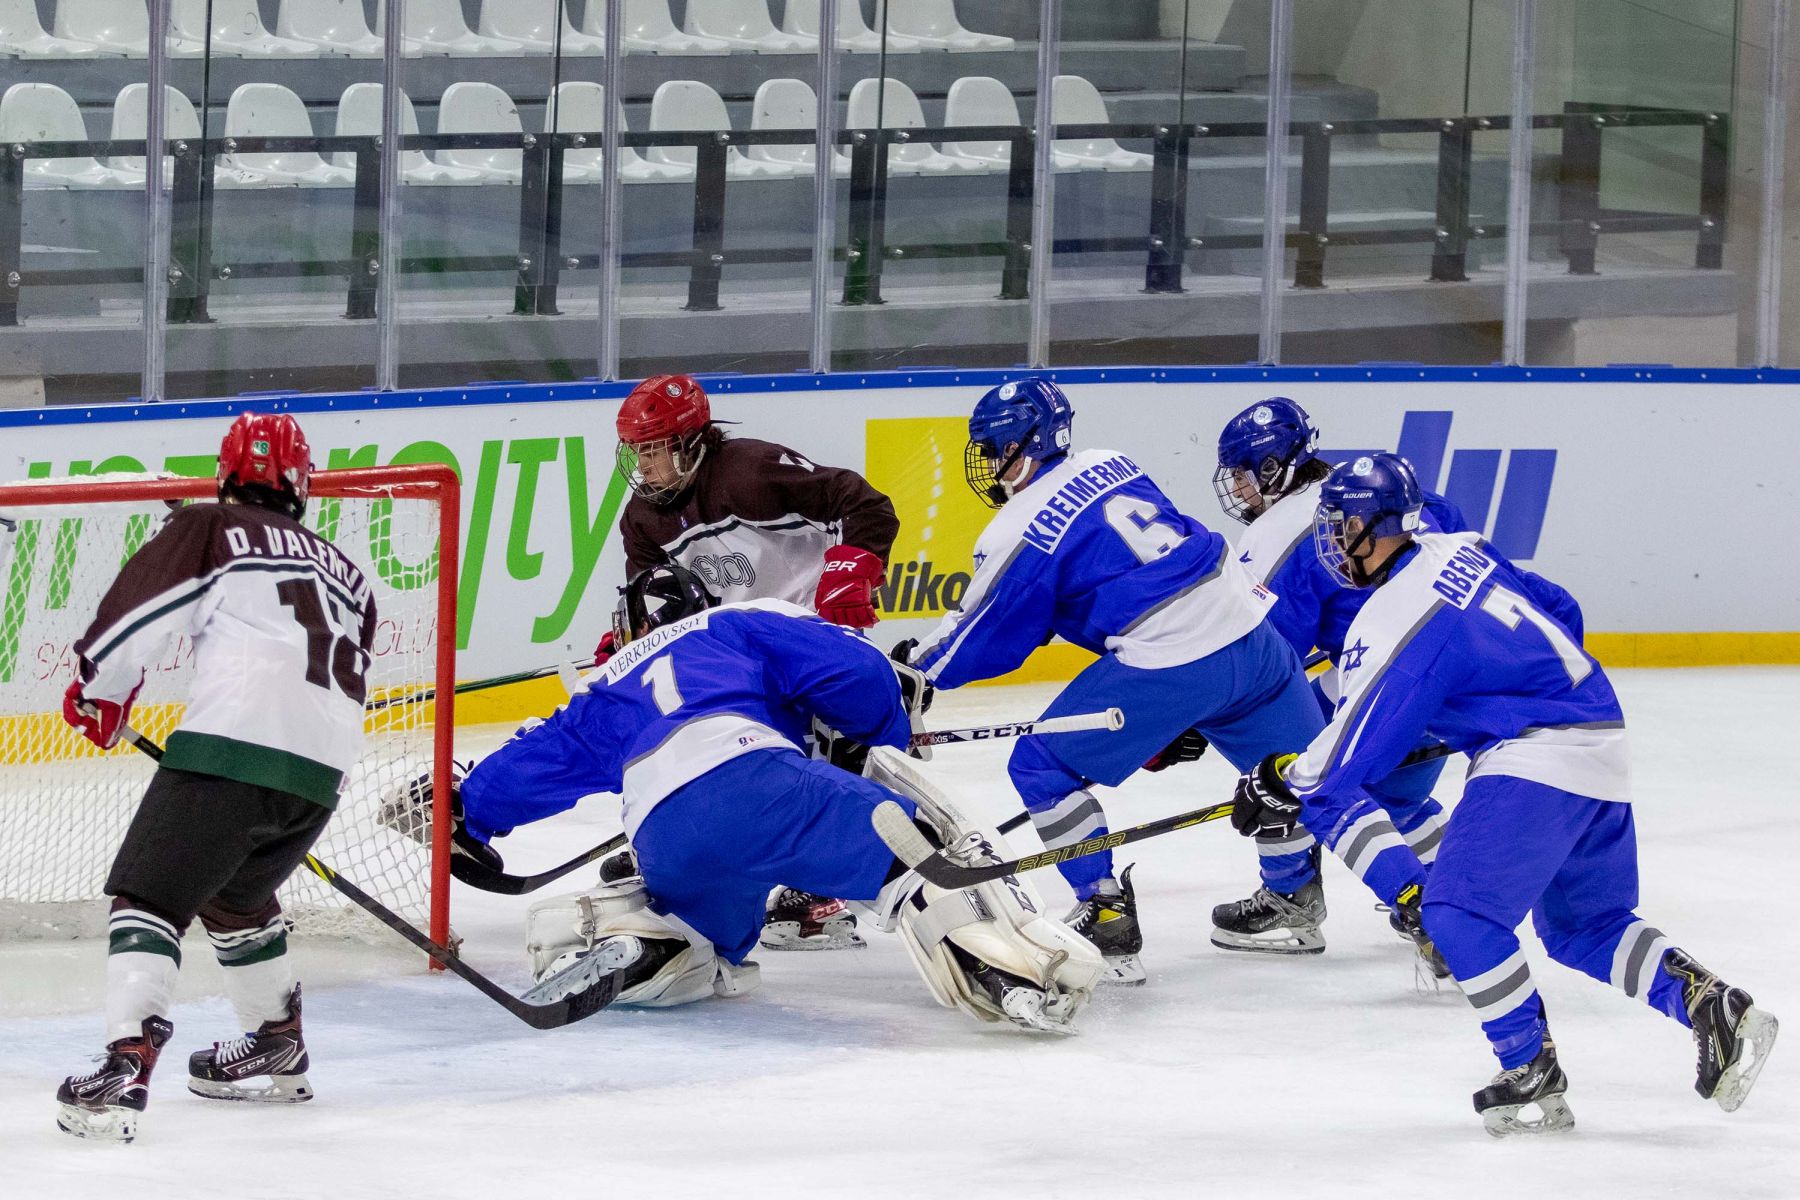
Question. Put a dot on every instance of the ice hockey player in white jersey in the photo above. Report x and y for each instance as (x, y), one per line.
(1085, 546)
(1487, 657)
(1268, 477)
(697, 721)
(282, 625)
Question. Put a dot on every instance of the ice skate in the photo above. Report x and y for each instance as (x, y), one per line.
(1539, 1083)
(1108, 919)
(799, 920)
(1734, 1037)
(1273, 923)
(1022, 1002)
(1407, 922)
(106, 1103)
(267, 1066)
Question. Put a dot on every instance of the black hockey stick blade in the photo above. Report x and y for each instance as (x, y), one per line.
(470, 872)
(551, 1014)
(565, 1010)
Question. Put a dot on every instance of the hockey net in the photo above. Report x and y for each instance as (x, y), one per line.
(65, 804)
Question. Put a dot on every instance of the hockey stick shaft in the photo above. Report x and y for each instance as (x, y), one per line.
(1110, 718)
(539, 1016)
(911, 847)
(424, 695)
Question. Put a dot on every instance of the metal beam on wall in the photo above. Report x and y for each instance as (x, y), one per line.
(387, 282)
(1275, 189)
(1781, 77)
(1043, 183)
(1518, 200)
(153, 382)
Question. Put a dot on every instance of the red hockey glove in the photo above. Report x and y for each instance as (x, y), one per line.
(847, 588)
(99, 721)
(609, 646)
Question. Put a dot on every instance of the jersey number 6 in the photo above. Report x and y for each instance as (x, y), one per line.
(1133, 520)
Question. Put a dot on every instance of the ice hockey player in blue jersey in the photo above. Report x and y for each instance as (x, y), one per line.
(1268, 478)
(697, 721)
(1085, 546)
(1487, 657)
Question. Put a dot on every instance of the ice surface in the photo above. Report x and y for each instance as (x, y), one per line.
(1225, 1076)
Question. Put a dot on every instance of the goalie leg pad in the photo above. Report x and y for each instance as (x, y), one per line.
(562, 929)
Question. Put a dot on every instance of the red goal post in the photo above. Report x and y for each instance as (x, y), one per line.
(78, 517)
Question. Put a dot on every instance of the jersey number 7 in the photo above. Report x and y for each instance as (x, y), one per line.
(1509, 608)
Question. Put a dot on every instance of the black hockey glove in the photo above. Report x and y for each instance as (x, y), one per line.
(902, 651)
(1264, 805)
(1187, 747)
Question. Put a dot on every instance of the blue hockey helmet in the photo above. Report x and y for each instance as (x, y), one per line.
(1027, 419)
(1375, 496)
(1260, 454)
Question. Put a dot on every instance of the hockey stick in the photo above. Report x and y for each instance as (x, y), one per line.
(474, 685)
(551, 1014)
(505, 884)
(911, 847)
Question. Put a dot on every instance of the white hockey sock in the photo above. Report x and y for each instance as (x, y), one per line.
(259, 976)
(142, 963)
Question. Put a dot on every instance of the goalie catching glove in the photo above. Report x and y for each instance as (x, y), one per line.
(916, 695)
(1264, 805)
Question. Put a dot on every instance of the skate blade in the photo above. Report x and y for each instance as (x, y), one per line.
(1758, 1028)
(785, 935)
(110, 1124)
(1124, 970)
(275, 1089)
(608, 959)
(1510, 1120)
(1274, 941)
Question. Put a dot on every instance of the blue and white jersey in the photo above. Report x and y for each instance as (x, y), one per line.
(1092, 550)
(1311, 608)
(1479, 654)
(693, 694)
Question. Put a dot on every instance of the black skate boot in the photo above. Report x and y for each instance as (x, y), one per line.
(275, 1053)
(1541, 1082)
(106, 1103)
(622, 865)
(1733, 1035)
(799, 920)
(1108, 919)
(1022, 1002)
(1274, 922)
(1409, 924)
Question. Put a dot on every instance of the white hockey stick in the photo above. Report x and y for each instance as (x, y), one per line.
(1109, 718)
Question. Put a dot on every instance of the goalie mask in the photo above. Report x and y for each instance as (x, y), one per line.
(658, 596)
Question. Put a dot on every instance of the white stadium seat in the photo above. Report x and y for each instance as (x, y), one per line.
(359, 115)
(335, 26)
(745, 25)
(984, 100)
(934, 25)
(649, 28)
(22, 35)
(688, 104)
(270, 110)
(118, 27)
(790, 104)
(43, 112)
(1076, 101)
(853, 32)
(581, 108)
(483, 108)
(531, 24)
(237, 30)
(130, 120)
(438, 28)
(873, 106)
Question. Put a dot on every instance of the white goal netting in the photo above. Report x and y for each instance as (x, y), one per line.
(64, 804)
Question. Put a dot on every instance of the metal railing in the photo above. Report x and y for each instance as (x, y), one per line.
(865, 250)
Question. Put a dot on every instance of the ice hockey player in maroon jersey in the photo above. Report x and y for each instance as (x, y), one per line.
(754, 520)
(282, 625)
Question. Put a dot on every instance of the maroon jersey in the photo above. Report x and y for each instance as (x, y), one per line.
(757, 521)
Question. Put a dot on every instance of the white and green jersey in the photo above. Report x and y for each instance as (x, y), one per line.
(282, 625)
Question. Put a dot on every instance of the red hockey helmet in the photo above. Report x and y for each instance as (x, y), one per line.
(267, 450)
(660, 427)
